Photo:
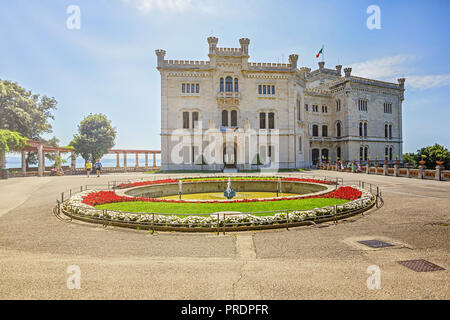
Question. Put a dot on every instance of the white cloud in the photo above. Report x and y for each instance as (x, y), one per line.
(394, 67)
(147, 6)
(383, 68)
(429, 81)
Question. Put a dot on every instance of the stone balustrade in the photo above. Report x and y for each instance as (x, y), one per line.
(396, 171)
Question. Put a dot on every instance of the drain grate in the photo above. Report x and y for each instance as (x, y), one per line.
(420, 265)
(376, 243)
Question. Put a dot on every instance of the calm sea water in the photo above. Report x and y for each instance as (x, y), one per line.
(14, 161)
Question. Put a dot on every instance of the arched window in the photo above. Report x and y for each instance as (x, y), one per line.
(338, 129)
(262, 120)
(338, 153)
(195, 119)
(366, 153)
(271, 120)
(315, 130)
(229, 84)
(386, 153)
(221, 84)
(390, 153)
(233, 118)
(324, 131)
(324, 154)
(385, 130)
(236, 86)
(185, 120)
(390, 131)
(365, 129)
(360, 129)
(361, 153)
(225, 118)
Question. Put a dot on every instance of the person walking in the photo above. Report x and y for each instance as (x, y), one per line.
(88, 167)
(98, 167)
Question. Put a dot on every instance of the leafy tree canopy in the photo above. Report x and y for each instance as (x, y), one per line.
(430, 155)
(10, 140)
(94, 138)
(25, 112)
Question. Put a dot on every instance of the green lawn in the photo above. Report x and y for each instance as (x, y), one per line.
(196, 208)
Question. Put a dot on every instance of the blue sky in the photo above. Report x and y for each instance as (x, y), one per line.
(108, 65)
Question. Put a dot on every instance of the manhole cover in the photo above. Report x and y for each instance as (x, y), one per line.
(420, 265)
(376, 243)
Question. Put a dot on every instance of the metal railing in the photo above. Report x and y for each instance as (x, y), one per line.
(220, 222)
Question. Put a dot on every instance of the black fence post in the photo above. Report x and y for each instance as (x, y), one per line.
(287, 219)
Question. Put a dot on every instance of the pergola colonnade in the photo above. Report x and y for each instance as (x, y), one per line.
(125, 152)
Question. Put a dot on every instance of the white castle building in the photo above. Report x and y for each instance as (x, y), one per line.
(230, 112)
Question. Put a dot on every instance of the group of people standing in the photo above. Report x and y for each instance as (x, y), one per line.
(97, 167)
(350, 165)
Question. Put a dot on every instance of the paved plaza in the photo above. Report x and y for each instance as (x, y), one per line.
(314, 262)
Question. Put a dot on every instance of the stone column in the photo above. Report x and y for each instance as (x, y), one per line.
(395, 170)
(154, 159)
(437, 174)
(41, 164)
(73, 162)
(125, 161)
(385, 169)
(420, 174)
(146, 161)
(24, 163)
(137, 161)
(117, 160)
(57, 155)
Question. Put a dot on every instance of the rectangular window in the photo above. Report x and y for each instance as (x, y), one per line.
(338, 105)
(188, 88)
(260, 89)
(262, 120)
(300, 144)
(306, 107)
(271, 120)
(197, 88)
(299, 111)
(273, 89)
(324, 109)
(185, 120)
(264, 89)
(388, 108)
(183, 88)
(362, 105)
(315, 108)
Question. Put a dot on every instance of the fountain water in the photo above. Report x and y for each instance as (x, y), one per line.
(229, 193)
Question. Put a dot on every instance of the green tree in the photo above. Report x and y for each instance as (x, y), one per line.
(94, 138)
(26, 113)
(433, 154)
(430, 155)
(9, 141)
(411, 158)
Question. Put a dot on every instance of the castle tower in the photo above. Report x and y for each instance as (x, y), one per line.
(244, 45)
(212, 41)
(160, 54)
(293, 58)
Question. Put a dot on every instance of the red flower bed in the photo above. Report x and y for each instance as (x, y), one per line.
(145, 183)
(103, 197)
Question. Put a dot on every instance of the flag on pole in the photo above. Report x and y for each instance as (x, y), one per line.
(319, 53)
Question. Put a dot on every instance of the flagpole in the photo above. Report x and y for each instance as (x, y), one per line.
(323, 54)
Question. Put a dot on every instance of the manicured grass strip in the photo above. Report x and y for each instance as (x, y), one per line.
(195, 208)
